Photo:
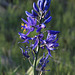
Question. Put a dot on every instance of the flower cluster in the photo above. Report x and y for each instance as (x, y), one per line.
(37, 20)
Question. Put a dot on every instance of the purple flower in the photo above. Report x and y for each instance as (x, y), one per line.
(43, 5)
(33, 15)
(43, 62)
(29, 14)
(35, 7)
(24, 37)
(36, 43)
(39, 14)
(47, 5)
(30, 25)
(51, 41)
(42, 26)
(36, 39)
(47, 15)
(52, 32)
(25, 53)
(48, 20)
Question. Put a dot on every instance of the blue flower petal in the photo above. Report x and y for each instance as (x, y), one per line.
(47, 4)
(38, 3)
(40, 36)
(35, 7)
(49, 51)
(42, 47)
(53, 32)
(26, 41)
(34, 13)
(42, 4)
(24, 21)
(39, 29)
(28, 32)
(25, 53)
(34, 38)
(48, 20)
(55, 40)
(43, 25)
(35, 44)
(47, 15)
(30, 20)
(56, 44)
(29, 14)
(22, 36)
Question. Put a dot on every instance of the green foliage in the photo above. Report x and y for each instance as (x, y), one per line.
(63, 19)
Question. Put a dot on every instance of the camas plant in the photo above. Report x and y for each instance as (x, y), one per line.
(37, 20)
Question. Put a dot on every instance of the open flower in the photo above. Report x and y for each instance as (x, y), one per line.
(51, 41)
(43, 62)
(30, 25)
(40, 14)
(24, 37)
(25, 53)
(37, 39)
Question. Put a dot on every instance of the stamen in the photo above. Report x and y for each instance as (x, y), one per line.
(24, 30)
(26, 25)
(21, 28)
(22, 24)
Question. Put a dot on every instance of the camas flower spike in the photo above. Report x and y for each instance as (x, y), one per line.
(37, 20)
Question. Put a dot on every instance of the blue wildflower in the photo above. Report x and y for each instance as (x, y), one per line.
(48, 20)
(24, 37)
(25, 53)
(36, 39)
(29, 14)
(36, 43)
(53, 32)
(43, 62)
(35, 7)
(30, 25)
(39, 14)
(47, 15)
(42, 26)
(47, 5)
(33, 15)
(51, 40)
(43, 5)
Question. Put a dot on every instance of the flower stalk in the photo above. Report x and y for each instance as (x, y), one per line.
(41, 15)
(38, 49)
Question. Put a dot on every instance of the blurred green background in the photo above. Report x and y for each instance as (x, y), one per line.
(63, 19)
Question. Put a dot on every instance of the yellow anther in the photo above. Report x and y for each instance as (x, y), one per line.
(24, 30)
(21, 27)
(41, 46)
(26, 25)
(22, 24)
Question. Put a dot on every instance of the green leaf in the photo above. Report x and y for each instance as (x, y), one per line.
(31, 69)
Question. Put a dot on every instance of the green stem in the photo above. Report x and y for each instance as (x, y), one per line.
(36, 55)
(35, 71)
